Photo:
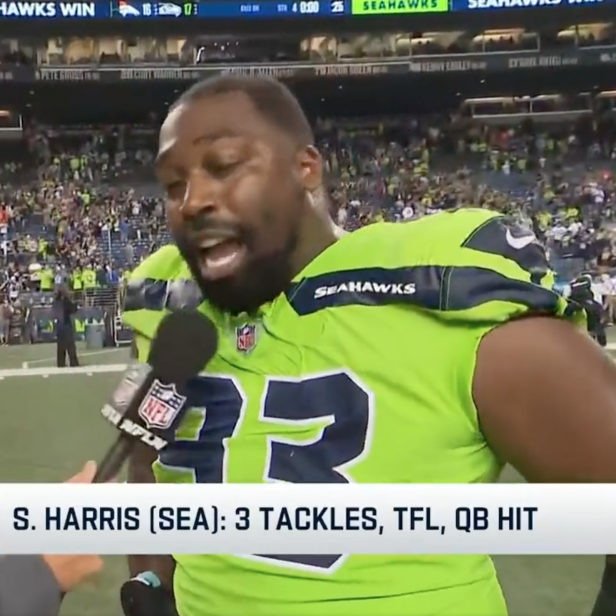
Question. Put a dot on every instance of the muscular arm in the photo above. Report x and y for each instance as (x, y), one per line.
(140, 471)
(546, 398)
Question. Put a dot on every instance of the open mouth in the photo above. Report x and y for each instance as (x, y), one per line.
(220, 257)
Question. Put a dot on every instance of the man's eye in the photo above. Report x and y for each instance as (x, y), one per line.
(173, 189)
(222, 167)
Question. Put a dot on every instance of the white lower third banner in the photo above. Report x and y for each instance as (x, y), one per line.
(307, 519)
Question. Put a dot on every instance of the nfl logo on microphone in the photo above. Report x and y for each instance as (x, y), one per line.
(161, 406)
(245, 337)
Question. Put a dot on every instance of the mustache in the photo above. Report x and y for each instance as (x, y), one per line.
(197, 228)
(202, 223)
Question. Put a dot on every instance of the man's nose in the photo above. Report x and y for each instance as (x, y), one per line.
(201, 196)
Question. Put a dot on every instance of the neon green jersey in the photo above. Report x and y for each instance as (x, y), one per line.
(360, 372)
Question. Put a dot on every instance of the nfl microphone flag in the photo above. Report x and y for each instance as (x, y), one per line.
(161, 405)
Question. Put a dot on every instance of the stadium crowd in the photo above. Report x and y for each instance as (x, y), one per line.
(81, 206)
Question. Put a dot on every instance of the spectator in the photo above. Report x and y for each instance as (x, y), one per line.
(6, 312)
(90, 210)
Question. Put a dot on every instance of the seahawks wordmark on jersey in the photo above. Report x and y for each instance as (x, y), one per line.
(356, 286)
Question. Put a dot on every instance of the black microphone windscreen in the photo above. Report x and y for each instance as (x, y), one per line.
(184, 343)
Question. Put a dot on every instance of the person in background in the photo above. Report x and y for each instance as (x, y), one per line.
(582, 293)
(63, 310)
(35, 585)
(6, 312)
(46, 277)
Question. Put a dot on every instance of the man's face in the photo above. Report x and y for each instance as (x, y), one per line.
(236, 197)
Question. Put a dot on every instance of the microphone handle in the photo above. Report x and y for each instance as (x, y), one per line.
(114, 459)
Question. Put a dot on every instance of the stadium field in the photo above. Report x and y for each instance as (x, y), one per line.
(49, 425)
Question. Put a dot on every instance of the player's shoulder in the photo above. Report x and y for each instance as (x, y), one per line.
(390, 245)
(161, 282)
(450, 227)
(423, 239)
(472, 235)
(466, 264)
(164, 264)
(493, 267)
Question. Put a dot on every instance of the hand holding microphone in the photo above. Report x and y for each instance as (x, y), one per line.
(68, 570)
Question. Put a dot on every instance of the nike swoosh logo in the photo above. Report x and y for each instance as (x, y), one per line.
(519, 242)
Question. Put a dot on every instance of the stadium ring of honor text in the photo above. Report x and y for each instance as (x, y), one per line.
(460, 63)
(231, 9)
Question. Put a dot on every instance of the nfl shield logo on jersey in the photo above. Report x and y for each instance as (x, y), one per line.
(245, 337)
(161, 406)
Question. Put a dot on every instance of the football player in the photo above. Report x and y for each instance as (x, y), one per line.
(433, 351)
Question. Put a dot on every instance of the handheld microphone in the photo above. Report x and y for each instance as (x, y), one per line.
(151, 400)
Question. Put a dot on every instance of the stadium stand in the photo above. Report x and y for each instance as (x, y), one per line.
(87, 204)
(79, 204)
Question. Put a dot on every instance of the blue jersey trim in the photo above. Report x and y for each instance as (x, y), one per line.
(432, 287)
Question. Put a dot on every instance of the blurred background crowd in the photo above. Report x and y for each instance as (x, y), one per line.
(79, 206)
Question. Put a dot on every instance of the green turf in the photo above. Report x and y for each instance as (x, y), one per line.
(40, 441)
(44, 355)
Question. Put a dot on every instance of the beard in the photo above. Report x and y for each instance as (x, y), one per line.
(263, 277)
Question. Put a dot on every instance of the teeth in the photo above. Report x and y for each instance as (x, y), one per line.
(221, 261)
(213, 242)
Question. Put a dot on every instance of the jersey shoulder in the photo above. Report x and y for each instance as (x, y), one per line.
(469, 265)
(440, 234)
(403, 244)
(164, 264)
(159, 284)
(379, 245)
(490, 267)
(477, 239)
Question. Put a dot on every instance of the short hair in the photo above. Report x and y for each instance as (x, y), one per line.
(272, 99)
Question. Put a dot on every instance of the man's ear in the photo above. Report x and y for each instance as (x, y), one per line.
(310, 166)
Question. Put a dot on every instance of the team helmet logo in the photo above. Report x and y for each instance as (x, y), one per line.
(161, 406)
(245, 337)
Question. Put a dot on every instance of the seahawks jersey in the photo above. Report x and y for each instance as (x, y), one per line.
(360, 372)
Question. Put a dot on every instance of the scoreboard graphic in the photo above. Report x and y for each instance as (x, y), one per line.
(267, 9)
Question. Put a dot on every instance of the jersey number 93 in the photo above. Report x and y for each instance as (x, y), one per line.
(334, 408)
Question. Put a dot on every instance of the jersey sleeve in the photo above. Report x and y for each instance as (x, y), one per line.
(490, 268)
(160, 284)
